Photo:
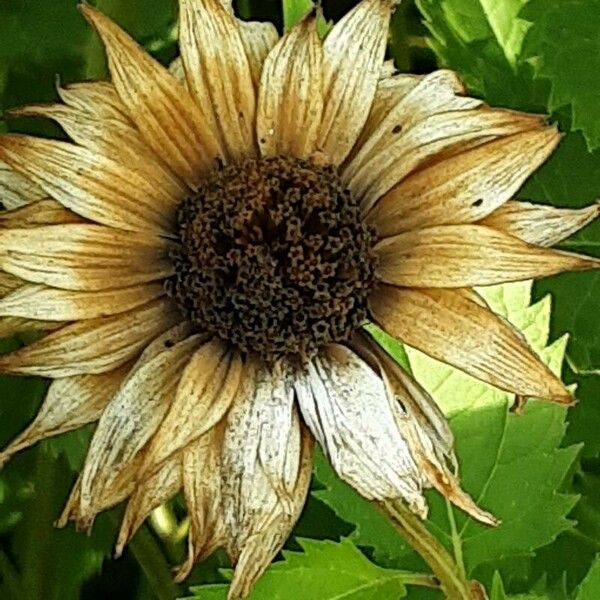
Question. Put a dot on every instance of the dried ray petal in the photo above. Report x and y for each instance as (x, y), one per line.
(160, 106)
(149, 495)
(11, 326)
(202, 490)
(454, 256)
(208, 386)
(70, 403)
(9, 283)
(290, 101)
(465, 187)
(349, 85)
(262, 547)
(432, 140)
(97, 99)
(39, 212)
(348, 409)
(92, 346)
(91, 184)
(33, 301)
(258, 39)
(539, 224)
(71, 510)
(17, 190)
(261, 458)
(127, 425)
(450, 327)
(83, 257)
(218, 73)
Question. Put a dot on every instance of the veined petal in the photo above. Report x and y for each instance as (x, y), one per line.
(218, 73)
(83, 257)
(11, 326)
(290, 103)
(258, 39)
(466, 187)
(160, 106)
(9, 283)
(351, 414)
(149, 495)
(70, 403)
(448, 326)
(127, 425)
(455, 256)
(434, 139)
(92, 185)
(208, 386)
(97, 99)
(202, 490)
(92, 346)
(349, 85)
(539, 224)
(39, 212)
(17, 190)
(261, 460)
(263, 546)
(33, 301)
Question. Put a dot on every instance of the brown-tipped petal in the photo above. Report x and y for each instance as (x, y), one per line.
(17, 190)
(202, 490)
(261, 455)
(258, 39)
(83, 257)
(127, 425)
(539, 224)
(450, 327)
(208, 386)
(290, 101)
(163, 110)
(150, 494)
(35, 214)
(349, 411)
(51, 304)
(218, 73)
(349, 85)
(434, 139)
(455, 256)
(9, 283)
(70, 403)
(92, 185)
(465, 187)
(11, 326)
(92, 346)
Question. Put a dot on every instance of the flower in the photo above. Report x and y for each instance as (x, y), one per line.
(204, 253)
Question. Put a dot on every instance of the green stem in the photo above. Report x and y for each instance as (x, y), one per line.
(452, 582)
(10, 577)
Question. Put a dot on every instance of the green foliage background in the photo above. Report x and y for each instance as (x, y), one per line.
(540, 473)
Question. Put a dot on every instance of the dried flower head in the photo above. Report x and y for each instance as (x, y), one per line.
(203, 254)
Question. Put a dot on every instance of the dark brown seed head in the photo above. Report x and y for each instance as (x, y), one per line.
(273, 258)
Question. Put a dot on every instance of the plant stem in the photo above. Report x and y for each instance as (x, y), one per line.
(453, 583)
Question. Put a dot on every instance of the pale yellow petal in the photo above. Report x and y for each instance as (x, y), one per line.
(17, 190)
(456, 256)
(539, 224)
(149, 495)
(92, 185)
(92, 346)
(258, 39)
(351, 414)
(127, 425)
(160, 106)
(290, 103)
(450, 327)
(218, 74)
(70, 403)
(34, 301)
(84, 257)
(353, 58)
(207, 388)
(465, 187)
(39, 212)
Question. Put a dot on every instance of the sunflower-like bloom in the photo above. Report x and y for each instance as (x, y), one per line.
(204, 253)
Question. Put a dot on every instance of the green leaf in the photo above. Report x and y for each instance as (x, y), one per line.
(294, 11)
(512, 465)
(590, 586)
(325, 570)
(566, 48)
(498, 593)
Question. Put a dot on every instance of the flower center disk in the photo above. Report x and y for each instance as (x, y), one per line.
(273, 258)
